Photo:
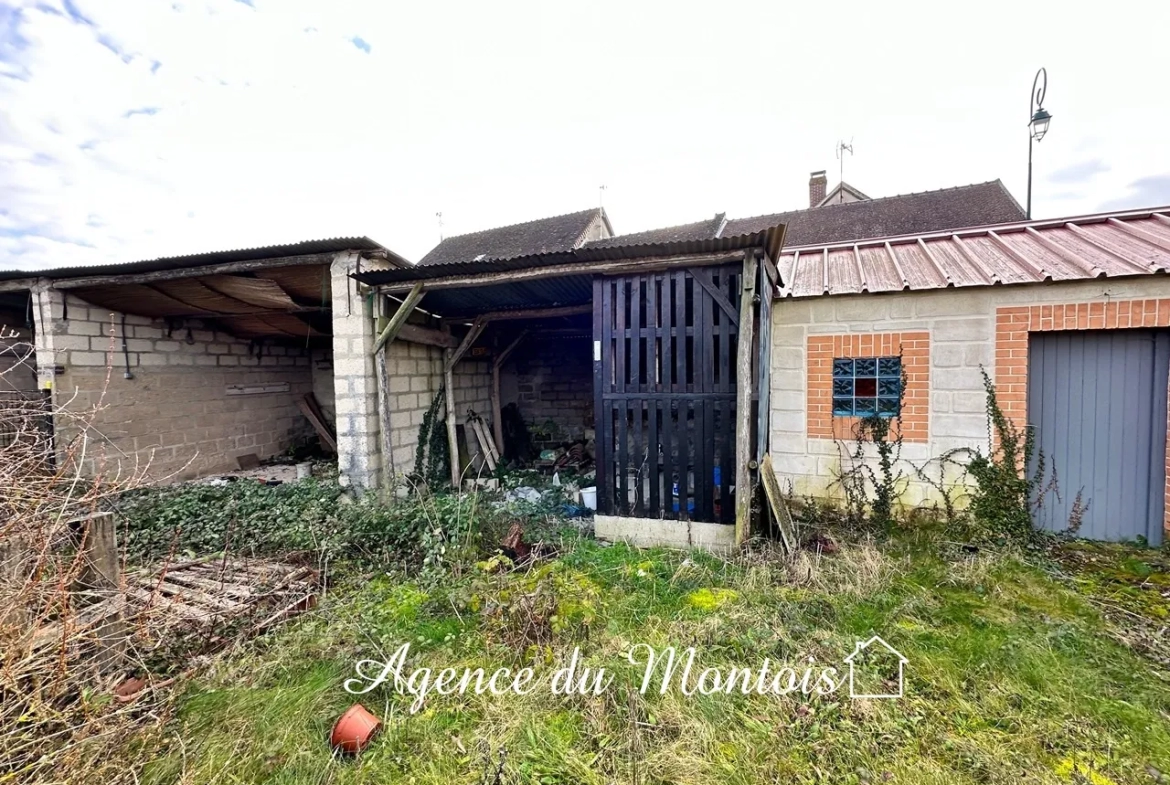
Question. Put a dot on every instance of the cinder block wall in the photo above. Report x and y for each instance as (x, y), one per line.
(961, 325)
(414, 375)
(175, 415)
(552, 380)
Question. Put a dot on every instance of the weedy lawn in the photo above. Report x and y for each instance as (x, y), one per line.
(1018, 672)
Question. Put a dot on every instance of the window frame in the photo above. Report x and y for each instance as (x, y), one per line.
(885, 373)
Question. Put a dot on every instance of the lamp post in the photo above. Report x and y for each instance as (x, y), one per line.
(1037, 123)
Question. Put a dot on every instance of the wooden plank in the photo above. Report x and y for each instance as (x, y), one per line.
(634, 341)
(638, 464)
(666, 383)
(318, 426)
(702, 353)
(601, 420)
(413, 333)
(779, 507)
(704, 280)
(399, 318)
(653, 465)
(485, 448)
(635, 385)
(385, 436)
(680, 345)
(623, 458)
(622, 342)
(744, 384)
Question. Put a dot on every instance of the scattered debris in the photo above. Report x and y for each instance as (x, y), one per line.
(524, 492)
(513, 544)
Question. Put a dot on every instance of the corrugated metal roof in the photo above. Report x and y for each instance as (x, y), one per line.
(769, 239)
(305, 248)
(1094, 246)
(575, 288)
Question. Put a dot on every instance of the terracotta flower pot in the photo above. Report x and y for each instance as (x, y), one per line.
(354, 730)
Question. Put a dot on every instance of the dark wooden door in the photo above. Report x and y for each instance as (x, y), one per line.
(664, 382)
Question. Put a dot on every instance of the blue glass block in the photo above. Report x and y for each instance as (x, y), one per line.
(887, 407)
(843, 387)
(889, 386)
(842, 368)
(890, 366)
(865, 406)
(865, 366)
(842, 407)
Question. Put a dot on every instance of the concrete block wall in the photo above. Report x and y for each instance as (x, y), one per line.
(174, 417)
(322, 373)
(354, 383)
(961, 324)
(473, 390)
(414, 375)
(551, 381)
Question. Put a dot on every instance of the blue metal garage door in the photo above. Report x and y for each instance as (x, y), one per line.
(1098, 403)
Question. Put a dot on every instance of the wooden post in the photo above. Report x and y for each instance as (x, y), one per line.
(497, 364)
(744, 380)
(385, 442)
(100, 580)
(400, 316)
(452, 435)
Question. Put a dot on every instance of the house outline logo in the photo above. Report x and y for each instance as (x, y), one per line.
(862, 646)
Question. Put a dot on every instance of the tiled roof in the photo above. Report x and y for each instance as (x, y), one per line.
(928, 211)
(546, 235)
(699, 230)
(1096, 246)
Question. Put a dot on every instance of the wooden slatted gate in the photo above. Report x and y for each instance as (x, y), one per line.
(665, 391)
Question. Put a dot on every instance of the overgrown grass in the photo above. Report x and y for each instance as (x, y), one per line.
(1012, 677)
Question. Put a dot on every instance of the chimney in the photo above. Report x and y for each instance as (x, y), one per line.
(816, 188)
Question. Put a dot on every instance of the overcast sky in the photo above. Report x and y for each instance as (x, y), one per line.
(132, 129)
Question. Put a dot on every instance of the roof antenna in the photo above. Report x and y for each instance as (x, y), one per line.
(601, 197)
(440, 217)
(843, 148)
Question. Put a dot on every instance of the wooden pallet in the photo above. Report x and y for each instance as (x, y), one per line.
(195, 594)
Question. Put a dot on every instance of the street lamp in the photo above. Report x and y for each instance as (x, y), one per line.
(1038, 124)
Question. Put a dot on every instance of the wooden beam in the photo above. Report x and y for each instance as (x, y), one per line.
(529, 313)
(615, 267)
(497, 417)
(399, 317)
(413, 333)
(744, 384)
(716, 295)
(477, 328)
(773, 272)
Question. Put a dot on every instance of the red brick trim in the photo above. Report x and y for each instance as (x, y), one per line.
(1013, 323)
(915, 350)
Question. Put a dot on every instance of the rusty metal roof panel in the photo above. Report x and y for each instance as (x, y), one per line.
(1128, 243)
(878, 269)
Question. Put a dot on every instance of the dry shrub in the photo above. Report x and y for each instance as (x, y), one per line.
(856, 570)
(58, 714)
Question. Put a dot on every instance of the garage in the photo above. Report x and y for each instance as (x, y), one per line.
(1097, 402)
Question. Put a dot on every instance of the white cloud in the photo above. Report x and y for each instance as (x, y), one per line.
(268, 123)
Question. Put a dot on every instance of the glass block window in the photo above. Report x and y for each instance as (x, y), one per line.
(863, 386)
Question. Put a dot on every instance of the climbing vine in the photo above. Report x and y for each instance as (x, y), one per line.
(432, 459)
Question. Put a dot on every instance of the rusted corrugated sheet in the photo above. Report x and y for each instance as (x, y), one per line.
(1097, 246)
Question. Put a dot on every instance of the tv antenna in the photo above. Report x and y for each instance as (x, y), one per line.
(843, 148)
(440, 217)
(601, 196)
